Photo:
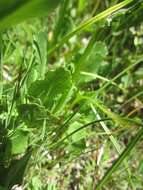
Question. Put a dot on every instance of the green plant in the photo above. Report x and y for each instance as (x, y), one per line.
(63, 92)
(12, 12)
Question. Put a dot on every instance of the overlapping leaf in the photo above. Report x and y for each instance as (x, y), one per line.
(54, 90)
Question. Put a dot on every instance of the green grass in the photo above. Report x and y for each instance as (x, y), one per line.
(71, 95)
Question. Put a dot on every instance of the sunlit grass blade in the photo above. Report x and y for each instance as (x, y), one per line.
(89, 22)
(57, 144)
(120, 74)
(119, 161)
(113, 140)
(119, 120)
(105, 79)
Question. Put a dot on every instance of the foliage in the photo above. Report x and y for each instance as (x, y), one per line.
(12, 12)
(72, 102)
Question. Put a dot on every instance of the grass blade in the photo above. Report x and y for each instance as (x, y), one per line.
(89, 22)
(119, 161)
(113, 140)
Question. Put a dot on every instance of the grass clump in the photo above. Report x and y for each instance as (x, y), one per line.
(71, 95)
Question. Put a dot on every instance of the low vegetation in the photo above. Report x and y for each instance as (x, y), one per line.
(71, 95)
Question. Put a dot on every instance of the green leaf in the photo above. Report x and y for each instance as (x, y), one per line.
(81, 5)
(100, 48)
(77, 147)
(34, 115)
(80, 134)
(13, 12)
(15, 172)
(96, 57)
(13, 175)
(95, 60)
(41, 47)
(19, 142)
(54, 90)
(77, 140)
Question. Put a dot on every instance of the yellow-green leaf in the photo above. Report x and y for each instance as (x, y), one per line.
(15, 11)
